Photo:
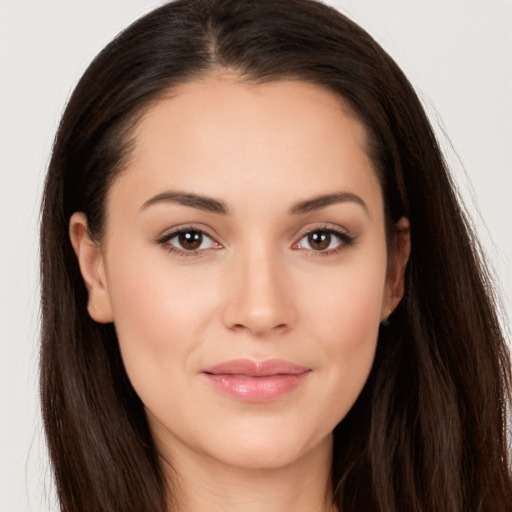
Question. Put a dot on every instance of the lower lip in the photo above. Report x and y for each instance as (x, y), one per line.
(256, 389)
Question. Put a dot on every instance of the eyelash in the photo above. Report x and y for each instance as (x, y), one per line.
(165, 239)
(346, 241)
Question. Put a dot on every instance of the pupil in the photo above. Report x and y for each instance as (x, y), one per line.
(190, 240)
(319, 240)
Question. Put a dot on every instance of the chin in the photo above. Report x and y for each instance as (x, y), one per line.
(264, 449)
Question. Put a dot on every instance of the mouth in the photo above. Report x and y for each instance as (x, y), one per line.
(256, 381)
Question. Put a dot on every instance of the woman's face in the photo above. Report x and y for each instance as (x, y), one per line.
(245, 268)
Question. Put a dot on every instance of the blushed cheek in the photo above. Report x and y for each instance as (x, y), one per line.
(159, 317)
(352, 305)
(351, 320)
(138, 313)
(352, 355)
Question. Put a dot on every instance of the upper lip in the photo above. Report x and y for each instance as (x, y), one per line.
(253, 368)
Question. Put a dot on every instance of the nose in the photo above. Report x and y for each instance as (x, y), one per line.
(259, 294)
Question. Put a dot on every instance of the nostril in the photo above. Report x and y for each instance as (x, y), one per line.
(259, 330)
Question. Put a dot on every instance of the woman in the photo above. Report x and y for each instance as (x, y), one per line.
(252, 298)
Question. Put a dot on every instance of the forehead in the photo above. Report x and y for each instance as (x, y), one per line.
(220, 136)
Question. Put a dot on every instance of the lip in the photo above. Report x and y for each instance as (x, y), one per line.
(256, 381)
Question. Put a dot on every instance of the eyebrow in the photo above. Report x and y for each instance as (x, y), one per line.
(213, 205)
(323, 201)
(186, 199)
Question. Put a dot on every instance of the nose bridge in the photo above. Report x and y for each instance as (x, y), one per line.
(258, 298)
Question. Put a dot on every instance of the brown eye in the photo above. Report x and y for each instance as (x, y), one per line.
(319, 240)
(325, 241)
(190, 240)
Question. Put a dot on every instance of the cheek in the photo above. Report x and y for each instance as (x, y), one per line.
(348, 304)
(160, 315)
(345, 319)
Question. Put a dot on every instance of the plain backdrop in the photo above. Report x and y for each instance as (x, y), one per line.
(457, 53)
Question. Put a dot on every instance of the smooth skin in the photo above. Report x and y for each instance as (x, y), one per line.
(248, 223)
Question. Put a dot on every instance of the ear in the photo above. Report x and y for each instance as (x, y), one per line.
(92, 266)
(399, 252)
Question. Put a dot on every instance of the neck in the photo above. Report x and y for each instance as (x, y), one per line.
(200, 484)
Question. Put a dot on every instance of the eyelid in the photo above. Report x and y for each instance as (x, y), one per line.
(346, 237)
(168, 235)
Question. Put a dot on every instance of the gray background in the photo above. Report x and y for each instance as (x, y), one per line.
(457, 53)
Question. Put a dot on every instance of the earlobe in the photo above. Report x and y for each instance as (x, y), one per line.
(92, 267)
(398, 257)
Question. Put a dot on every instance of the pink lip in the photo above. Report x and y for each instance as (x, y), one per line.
(256, 381)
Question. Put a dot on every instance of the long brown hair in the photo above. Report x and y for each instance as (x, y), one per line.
(429, 430)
